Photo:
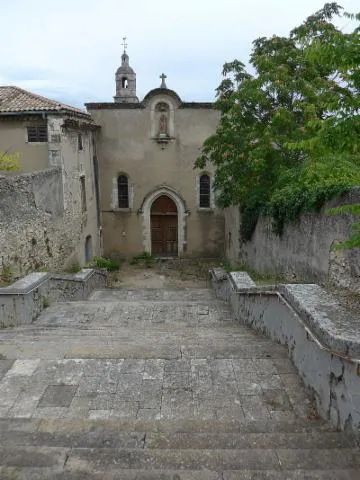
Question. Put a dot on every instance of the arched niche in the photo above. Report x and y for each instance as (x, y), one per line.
(162, 118)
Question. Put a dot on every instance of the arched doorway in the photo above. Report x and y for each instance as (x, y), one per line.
(164, 227)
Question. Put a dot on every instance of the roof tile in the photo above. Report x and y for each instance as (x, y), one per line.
(17, 100)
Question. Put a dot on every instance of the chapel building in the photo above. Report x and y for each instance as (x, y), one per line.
(152, 199)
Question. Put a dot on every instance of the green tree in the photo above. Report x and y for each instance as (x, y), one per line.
(340, 132)
(275, 149)
(9, 161)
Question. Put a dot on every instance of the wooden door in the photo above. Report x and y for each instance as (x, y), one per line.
(164, 231)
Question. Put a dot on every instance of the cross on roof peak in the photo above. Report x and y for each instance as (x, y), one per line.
(163, 84)
(124, 44)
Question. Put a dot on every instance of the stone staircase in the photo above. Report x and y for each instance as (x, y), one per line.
(157, 384)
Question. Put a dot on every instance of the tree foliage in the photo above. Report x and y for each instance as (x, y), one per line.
(288, 136)
(9, 161)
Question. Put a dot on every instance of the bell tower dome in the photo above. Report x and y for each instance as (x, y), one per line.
(125, 79)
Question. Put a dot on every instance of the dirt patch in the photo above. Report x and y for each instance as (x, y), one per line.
(174, 273)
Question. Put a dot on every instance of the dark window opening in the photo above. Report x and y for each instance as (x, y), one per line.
(123, 191)
(88, 249)
(125, 83)
(37, 133)
(80, 142)
(204, 191)
(83, 194)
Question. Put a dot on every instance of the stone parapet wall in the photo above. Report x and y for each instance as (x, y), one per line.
(64, 288)
(305, 250)
(24, 300)
(323, 340)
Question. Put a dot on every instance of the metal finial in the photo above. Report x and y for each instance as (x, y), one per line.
(124, 44)
(163, 84)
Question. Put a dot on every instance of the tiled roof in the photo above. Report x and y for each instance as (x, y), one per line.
(17, 100)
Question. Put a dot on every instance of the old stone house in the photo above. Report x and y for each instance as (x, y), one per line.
(152, 199)
(56, 221)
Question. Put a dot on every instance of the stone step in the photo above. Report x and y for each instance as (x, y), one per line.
(219, 460)
(306, 474)
(272, 433)
(117, 438)
(14, 473)
(86, 427)
(210, 441)
(154, 295)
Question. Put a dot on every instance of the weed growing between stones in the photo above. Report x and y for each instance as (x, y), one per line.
(75, 268)
(46, 302)
(6, 275)
(144, 258)
(263, 278)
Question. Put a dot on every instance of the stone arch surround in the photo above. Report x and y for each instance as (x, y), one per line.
(182, 214)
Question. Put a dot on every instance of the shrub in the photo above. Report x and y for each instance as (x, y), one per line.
(9, 161)
(107, 263)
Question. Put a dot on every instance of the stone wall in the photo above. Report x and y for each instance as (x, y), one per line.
(36, 231)
(304, 251)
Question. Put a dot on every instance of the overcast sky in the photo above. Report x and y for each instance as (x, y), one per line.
(69, 50)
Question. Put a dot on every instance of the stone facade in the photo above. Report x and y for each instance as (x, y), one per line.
(153, 144)
(304, 251)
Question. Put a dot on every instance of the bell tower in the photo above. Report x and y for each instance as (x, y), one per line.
(125, 79)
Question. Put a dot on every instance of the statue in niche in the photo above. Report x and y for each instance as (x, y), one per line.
(163, 125)
(163, 109)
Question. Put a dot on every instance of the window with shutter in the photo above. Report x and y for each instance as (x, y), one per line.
(37, 133)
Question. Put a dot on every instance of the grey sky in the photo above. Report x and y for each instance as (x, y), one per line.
(70, 50)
